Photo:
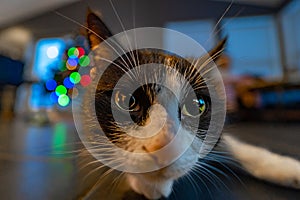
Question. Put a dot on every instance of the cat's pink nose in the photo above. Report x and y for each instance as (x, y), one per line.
(161, 139)
(158, 144)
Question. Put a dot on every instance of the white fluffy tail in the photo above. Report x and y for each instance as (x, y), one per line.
(264, 164)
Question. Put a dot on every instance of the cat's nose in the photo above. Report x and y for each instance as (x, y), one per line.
(160, 141)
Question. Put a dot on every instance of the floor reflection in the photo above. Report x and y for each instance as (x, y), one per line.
(39, 163)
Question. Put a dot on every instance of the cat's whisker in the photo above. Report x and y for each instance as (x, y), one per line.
(192, 182)
(99, 168)
(219, 21)
(229, 160)
(207, 169)
(88, 164)
(120, 67)
(96, 34)
(134, 31)
(94, 187)
(211, 167)
(116, 181)
(229, 20)
(196, 171)
(123, 27)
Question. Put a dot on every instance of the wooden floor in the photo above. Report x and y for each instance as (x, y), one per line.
(36, 163)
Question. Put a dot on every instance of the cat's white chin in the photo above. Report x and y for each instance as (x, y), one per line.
(150, 188)
(154, 185)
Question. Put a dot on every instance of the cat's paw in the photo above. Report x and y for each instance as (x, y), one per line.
(282, 170)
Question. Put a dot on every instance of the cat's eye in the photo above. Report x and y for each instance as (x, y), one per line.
(126, 102)
(194, 107)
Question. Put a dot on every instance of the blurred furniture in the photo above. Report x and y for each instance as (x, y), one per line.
(269, 101)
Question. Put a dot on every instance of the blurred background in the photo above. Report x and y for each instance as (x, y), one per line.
(42, 46)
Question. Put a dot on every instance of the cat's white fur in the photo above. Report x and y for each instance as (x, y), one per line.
(264, 164)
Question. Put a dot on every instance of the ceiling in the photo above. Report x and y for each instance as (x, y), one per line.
(16, 10)
(13, 11)
(268, 3)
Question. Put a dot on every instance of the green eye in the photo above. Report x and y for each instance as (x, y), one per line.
(126, 102)
(194, 108)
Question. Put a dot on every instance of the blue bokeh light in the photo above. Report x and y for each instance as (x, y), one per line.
(67, 83)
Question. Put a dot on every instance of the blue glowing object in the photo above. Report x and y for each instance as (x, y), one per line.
(72, 62)
(67, 83)
(51, 84)
(54, 97)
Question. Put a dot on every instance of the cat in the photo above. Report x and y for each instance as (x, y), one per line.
(152, 103)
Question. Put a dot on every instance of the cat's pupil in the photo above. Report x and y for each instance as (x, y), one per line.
(194, 107)
(126, 102)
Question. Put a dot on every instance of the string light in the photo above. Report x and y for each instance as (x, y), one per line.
(54, 97)
(75, 77)
(67, 83)
(62, 93)
(81, 51)
(85, 80)
(51, 84)
(84, 61)
(60, 90)
(73, 52)
(63, 100)
(71, 63)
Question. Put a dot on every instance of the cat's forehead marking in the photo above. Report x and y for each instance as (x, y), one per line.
(127, 62)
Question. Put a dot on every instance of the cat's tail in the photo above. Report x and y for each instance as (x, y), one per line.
(264, 164)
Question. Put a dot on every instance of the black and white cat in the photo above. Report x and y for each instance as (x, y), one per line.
(151, 103)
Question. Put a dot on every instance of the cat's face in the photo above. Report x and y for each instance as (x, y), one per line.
(141, 109)
(153, 105)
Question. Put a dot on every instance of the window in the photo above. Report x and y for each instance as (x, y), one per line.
(253, 46)
(201, 31)
(291, 31)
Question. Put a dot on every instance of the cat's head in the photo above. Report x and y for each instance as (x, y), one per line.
(143, 100)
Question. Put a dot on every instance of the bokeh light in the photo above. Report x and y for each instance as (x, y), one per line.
(63, 91)
(67, 83)
(60, 90)
(54, 97)
(85, 80)
(81, 51)
(51, 84)
(73, 52)
(84, 61)
(52, 52)
(75, 77)
(72, 63)
(62, 66)
(63, 100)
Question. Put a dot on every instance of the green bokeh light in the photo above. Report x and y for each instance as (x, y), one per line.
(75, 77)
(84, 61)
(60, 90)
(63, 100)
(59, 140)
(73, 52)
(62, 66)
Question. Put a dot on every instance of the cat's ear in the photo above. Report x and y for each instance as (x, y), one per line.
(216, 52)
(97, 30)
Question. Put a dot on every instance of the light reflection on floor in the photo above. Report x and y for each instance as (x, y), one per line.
(38, 163)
